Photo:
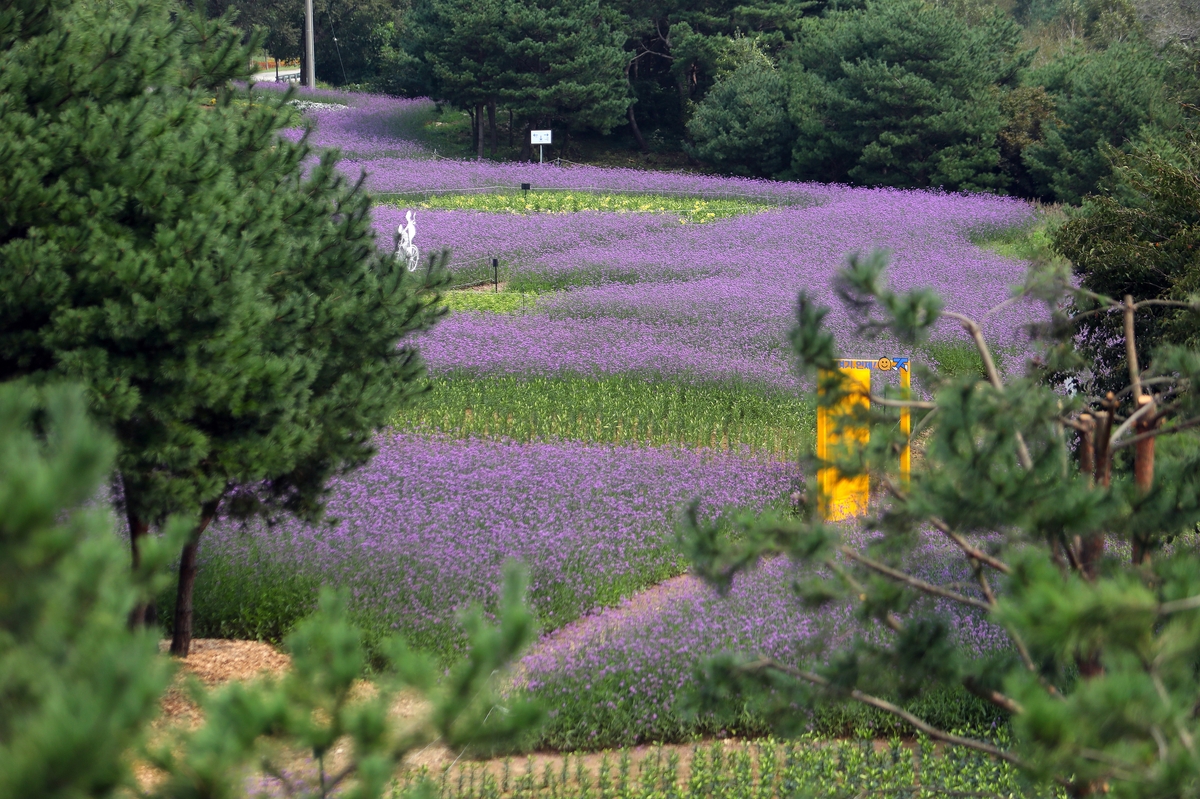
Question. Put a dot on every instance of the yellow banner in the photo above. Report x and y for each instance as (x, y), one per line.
(843, 497)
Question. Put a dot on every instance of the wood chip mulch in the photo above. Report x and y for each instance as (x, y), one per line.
(214, 662)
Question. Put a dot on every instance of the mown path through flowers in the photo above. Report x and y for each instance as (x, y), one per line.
(635, 362)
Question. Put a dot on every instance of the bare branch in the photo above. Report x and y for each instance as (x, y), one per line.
(1179, 605)
(989, 364)
(1147, 381)
(973, 552)
(907, 579)
(891, 620)
(1166, 303)
(867, 699)
(1135, 374)
(920, 425)
(1162, 431)
(984, 586)
(995, 697)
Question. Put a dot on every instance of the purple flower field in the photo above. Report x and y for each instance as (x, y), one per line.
(423, 532)
(628, 667)
(372, 126)
(524, 239)
(644, 290)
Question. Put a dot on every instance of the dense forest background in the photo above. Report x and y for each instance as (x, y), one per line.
(1025, 97)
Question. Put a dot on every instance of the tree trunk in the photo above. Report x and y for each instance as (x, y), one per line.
(637, 133)
(491, 109)
(510, 128)
(138, 529)
(474, 128)
(1103, 436)
(1091, 549)
(526, 147)
(1143, 471)
(181, 637)
(143, 613)
(633, 125)
(479, 133)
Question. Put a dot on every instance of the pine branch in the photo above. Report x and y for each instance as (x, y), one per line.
(960, 542)
(908, 579)
(891, 620)
(989, 364)
(1135, 375)
(763, 664)
(1179, 605)
(995, 697)
(1163, 431)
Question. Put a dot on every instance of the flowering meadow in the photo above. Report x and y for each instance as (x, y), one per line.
(638, 364)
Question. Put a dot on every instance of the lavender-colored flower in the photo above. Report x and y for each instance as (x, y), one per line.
(423, 531)
(627, 667)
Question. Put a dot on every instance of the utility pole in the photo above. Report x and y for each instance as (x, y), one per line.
(310, 61)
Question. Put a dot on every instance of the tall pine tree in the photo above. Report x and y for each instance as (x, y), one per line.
(901, 94)
(224, 304)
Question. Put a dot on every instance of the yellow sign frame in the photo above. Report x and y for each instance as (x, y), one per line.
(839, 497)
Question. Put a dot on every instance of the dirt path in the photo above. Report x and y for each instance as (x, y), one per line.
(216, 662)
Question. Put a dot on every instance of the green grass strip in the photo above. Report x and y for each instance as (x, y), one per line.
(620, 409)
(689, 209)
(487, 301)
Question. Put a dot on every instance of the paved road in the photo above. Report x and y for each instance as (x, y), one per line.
(269, 75)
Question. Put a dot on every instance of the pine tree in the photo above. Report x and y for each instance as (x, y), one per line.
(1141, 239)
(564, 65)
(901, 94)
(742, 125)
(1090, 574)
(1109, 98)
(224, 304)
(79, 688)
(550, 64)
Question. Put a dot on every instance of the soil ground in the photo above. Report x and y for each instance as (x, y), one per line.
(215, 662)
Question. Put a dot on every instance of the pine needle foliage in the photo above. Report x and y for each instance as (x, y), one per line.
(1088, 573)
(79, 687)
(218, 293)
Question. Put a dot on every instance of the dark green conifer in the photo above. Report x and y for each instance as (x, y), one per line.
(901, 94)
(222, 301)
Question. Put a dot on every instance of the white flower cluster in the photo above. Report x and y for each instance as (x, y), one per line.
(309, 105)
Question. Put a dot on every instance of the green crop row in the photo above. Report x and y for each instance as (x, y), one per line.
(765, 769)
(689, 209)
(487, 301)
(621, 409)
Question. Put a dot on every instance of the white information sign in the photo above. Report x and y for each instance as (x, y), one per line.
(539, 137)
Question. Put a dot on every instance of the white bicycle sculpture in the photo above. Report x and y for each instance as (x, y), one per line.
(405, 249)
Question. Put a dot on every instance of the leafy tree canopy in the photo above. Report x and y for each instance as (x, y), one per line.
(1106, 98)
(742, 125)
(548, 63)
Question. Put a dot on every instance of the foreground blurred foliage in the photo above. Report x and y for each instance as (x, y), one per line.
(807, 767)
(1085, 560)
(79, 688)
